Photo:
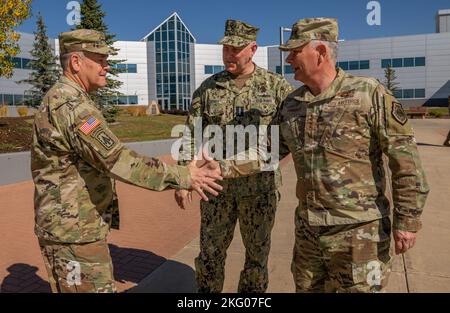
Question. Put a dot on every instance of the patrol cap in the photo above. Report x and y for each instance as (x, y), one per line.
(238, 33)
(83, 40)
(305, 30)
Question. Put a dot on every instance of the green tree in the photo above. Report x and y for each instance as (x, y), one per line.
(45, 71)
(12, 14)
(390, 79)
(92, 18)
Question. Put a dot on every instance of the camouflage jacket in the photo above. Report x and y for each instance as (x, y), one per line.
(74, 161)
(337, 140)
(218, 101)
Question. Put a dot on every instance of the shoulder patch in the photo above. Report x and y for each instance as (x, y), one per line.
(396, 119)
(398, 113)
(89, 125)
(105, 139)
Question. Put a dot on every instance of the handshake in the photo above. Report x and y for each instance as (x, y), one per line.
(203, 178)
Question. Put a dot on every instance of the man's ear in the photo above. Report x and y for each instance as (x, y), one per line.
(322, 50)
(75, 62)
(254, 47)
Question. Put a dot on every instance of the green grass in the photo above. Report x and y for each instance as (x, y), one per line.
(143, 128)
(7, 146)
(438, 112)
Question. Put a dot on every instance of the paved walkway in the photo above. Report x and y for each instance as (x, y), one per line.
(158, 242)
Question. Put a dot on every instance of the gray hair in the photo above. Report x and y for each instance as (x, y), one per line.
(65, 58)
(332, 47)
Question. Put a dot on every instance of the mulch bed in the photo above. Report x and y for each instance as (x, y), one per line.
(15, 134)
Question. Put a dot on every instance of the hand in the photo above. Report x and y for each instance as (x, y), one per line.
(404, 240)
(204, 177)
(182, 197)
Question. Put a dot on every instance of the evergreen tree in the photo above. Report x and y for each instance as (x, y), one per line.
(45, 71)
(92, 18)
(390, 79)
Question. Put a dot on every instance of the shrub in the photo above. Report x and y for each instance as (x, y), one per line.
(3, 111)
(436, 113)
(110, 113)
(137, 110)
(22, 111)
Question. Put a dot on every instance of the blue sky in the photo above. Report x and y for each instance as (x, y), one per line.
(133, 19)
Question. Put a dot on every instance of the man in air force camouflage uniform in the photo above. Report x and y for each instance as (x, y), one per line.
(337, 127)
(243, 94)
(74, 161)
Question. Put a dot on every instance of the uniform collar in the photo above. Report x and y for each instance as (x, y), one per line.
(225, 79)
(330, 92)
(68, 81)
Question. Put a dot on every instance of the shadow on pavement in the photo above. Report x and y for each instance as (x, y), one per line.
(430, 145)
(171, 277)
(132, 265)
(23, 278)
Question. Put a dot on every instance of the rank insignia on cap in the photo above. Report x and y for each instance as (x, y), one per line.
(89, 125)
(398, 113)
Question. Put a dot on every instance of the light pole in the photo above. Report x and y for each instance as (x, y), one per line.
(282, 30)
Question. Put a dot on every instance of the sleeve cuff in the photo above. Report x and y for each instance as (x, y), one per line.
(406, 223)
(184, 177)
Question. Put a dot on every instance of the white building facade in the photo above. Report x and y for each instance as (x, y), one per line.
(167, 65)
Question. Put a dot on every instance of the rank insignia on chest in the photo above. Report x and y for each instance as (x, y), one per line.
(239, 111)
(398, 113)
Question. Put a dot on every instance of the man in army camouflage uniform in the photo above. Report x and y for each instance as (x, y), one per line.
(74, 161)
(244, 94)
(337, 127)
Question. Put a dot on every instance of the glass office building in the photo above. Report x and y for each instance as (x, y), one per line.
(173, 51)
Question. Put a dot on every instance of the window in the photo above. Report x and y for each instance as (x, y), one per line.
(122, 100)
(8, 99)
(287, 69)
(419, 61)
(398, 93)
(26, 64)
(132, 68)
(385, 63)
(218, 68)
(408, 93)
(212, 69)
(419, 93)
(408, 62)
(132, 100)
(126, 68)
(343, 65)
(18, 100)
(17, 62)
(353, 65)
(397, 62)
(364, 65)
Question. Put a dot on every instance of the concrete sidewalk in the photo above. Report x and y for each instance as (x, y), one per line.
(425, 268)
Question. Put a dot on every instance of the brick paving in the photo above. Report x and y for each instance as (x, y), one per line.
(152, 229)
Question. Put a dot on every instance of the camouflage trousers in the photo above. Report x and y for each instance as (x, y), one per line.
(342, 258)
(256, 214)
(78, 267)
